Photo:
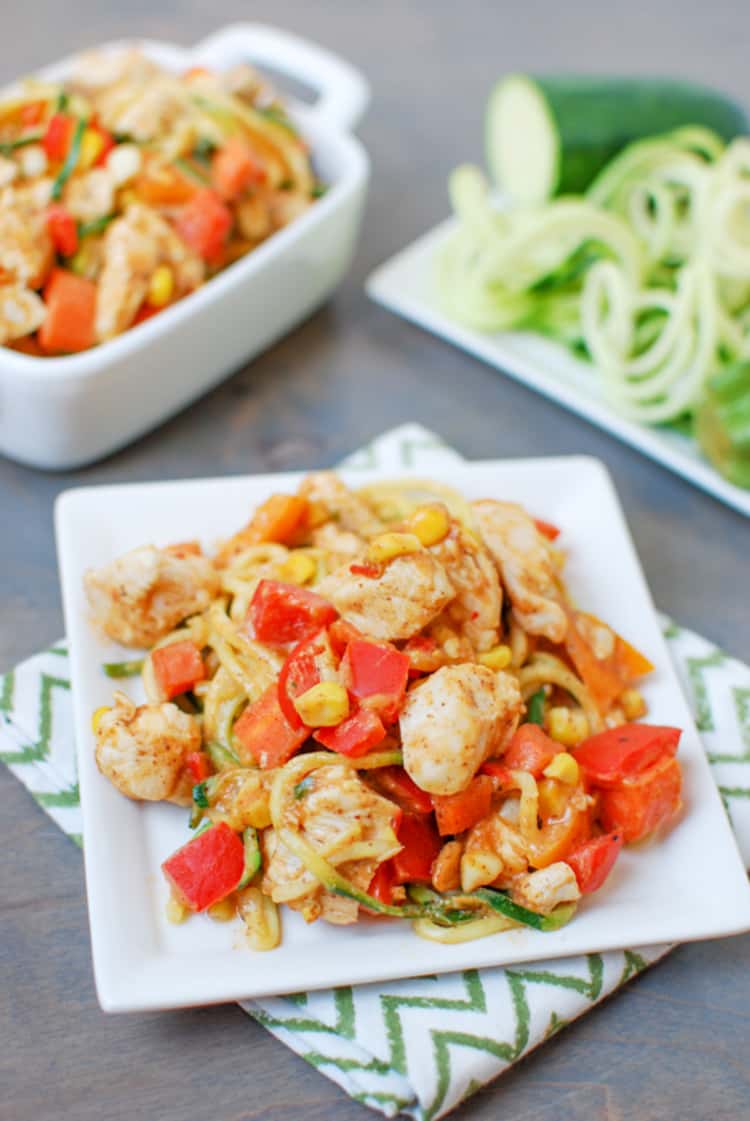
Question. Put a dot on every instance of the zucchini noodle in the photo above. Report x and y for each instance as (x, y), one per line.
(635, 271)
(546, 669)
(462, 932)
(398, 498)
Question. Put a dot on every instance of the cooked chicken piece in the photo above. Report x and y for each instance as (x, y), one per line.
(143, 110)
(494, 851)
(91, 195)
(446, 869)
(543, 890)
(143, 595)
(247, 83)
(21, 312)
(452, 645)
(134, 246)
(527, 570)
(142, 750)
(96, 70)
(285, 206)
(8, 171)
(453, 721)
(410, 591)
(476, 609)
(26, 251)
(254, 217)
(336, 811)
(340, 544)
(343, 506)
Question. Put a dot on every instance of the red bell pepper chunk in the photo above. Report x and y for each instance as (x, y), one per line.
(620, 753)
(282, 613)
(58, 136)
(401, 788)
(265, 735)
(199, 765)
(204, 222)
(71, 313)
(639, 805)
(593, 861)
(383, 882)
(303, 669)
(547, 529)
(355, 736)
(207, 868)
(497, 770)
(32, 113)
(421, 845)
(234, 168)
(62, 229)
(377, 675)
(531, 749)
(455, 813)
(177, 668)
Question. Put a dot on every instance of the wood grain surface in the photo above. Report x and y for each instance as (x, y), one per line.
(672, 1046)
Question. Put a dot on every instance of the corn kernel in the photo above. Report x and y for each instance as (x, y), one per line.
(497, 658)
(553, 797)
(430, 524)
(391, 545)
(223, 911)
(128, 197)
(632, 703)
(176, 911)
(96, 717)
(567, 726)
(298, 568)
(92, 146)
(161, 286)
(564, 768)
(323, 706)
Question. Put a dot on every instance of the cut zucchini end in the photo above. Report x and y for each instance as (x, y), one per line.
(523, 145)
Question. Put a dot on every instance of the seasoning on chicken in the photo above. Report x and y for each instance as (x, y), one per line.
(453, 721)
(546, 888)
(21, 311)
(26, 250)
(142, 750)
(526, 567)
(143, 595)
(335, 811)
(340, 544)
(394, 602)
(494, 853)
(476, 609)
(344, 507)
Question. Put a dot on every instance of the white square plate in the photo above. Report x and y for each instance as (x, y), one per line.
(404, 285)
(691, 885)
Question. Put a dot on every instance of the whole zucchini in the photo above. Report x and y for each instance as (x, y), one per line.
(548, 136)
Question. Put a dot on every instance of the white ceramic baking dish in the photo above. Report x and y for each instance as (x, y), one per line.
(64, 412)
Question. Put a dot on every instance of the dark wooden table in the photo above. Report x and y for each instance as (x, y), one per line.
(670, 1048)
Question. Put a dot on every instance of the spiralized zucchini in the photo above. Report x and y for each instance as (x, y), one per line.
(648, 273)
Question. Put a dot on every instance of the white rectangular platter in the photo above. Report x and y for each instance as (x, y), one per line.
(691, 885)
(403, 284)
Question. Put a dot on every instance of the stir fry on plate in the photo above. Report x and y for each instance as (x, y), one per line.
(380, 702)
(127, 187)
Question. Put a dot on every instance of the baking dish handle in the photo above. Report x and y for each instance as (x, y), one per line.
(343, 92)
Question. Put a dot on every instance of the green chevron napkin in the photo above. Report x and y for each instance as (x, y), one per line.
(422, 1046)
